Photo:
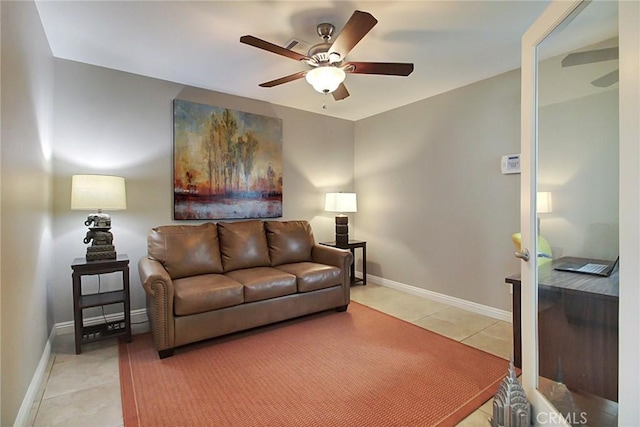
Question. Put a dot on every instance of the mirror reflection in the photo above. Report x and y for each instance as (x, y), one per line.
(578, 216)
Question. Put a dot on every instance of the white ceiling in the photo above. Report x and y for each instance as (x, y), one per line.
(452, 43)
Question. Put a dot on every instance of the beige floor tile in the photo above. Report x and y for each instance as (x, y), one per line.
(64, 344)
(500, 329)
(372, 294)
(476, 419)
(488, 406)
(98, 406)
(396, 303)
(496, 339)
(78, 372)
(455, 323)
(460, 316)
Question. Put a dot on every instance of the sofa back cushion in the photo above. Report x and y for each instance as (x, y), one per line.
(243, 245)
(289, 241)
(186, 250)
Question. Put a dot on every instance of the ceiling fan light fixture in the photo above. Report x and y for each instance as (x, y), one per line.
(325, 79)
(327, 59)
(334, 57)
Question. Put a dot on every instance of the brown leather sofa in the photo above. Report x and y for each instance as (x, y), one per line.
(208, 280)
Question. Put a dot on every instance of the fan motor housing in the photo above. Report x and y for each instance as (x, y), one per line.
(319, 52)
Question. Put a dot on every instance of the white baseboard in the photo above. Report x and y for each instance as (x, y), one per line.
(484, 310)
(34, 387)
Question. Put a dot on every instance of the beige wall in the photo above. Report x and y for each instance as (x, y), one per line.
(27, 71)
(110, 122)
(433, 205)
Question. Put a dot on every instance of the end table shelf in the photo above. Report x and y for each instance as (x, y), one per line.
(97, 300)
(108, 329)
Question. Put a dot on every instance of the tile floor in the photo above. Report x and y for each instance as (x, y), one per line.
(84, 390)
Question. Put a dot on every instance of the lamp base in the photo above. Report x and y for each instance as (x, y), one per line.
(342, 239)
(342, 229)
(98, 252)
(101, 244)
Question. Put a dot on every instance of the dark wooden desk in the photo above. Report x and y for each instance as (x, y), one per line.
(352, 245)
(578, 328)
(86, 334)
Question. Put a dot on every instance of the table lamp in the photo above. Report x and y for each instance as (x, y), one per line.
(544, 202)
(341, 203)
(95, 193)
(544, 205)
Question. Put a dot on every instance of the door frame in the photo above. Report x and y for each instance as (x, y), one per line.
(629, 140)
(629, 315)
(543, 412)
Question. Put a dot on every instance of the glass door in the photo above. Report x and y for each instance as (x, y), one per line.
(569, 208)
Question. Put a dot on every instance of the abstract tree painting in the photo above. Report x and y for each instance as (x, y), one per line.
(227, 164)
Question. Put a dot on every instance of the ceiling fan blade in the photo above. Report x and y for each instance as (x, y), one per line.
(384, 68)
(270, 47)
(606, 80)
(340, 93)
(589, 56)
(354, 30)
(282, 80)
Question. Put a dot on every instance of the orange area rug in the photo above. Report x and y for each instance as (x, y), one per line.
(358, 368)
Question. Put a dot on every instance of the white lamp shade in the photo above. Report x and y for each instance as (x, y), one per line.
(340, 202)
(544, 202)
(90, 192)
(325, 79)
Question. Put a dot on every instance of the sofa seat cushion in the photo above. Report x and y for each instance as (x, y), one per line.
(206, 292)
(262, 283)
(312, 276)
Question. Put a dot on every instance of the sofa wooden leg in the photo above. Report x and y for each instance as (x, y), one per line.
(342, 308)
(165, 353)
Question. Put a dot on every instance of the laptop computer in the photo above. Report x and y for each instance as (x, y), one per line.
(586, 267)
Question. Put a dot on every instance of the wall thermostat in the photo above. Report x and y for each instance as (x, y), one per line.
(510, 164)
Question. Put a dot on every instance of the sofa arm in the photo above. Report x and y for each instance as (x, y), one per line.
(329, 255)
(340, 258)
(158, 288)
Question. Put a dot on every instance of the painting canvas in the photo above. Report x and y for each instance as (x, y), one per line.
(227, 163)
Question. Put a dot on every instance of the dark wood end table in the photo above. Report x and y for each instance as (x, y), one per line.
(86, 334)
(352, 245)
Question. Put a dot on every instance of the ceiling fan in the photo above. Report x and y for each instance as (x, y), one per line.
(595, 55)
(326, 60)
